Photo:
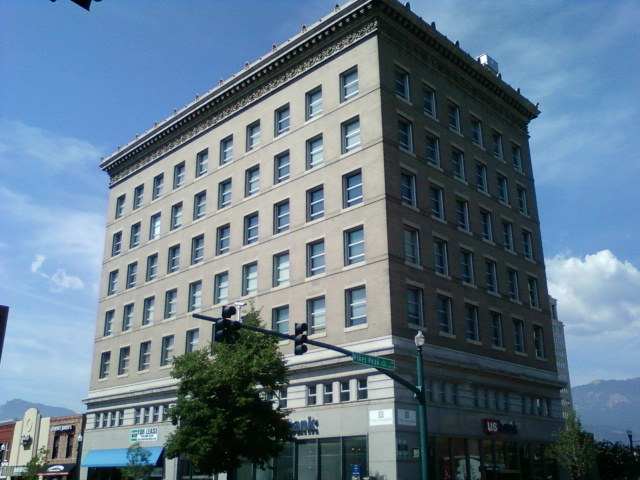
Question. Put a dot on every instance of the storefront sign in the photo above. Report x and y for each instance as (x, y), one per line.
(305, 427)
(407, 417)
(144, 434)
(380, 417)
(491, 427)
(62, 428)
(402, 448)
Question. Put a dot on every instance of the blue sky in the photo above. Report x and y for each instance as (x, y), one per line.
(75, 85)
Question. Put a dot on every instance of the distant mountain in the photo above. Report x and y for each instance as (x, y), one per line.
(14, 409)
(608, 408)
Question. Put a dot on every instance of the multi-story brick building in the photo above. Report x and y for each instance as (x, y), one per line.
(372, 179)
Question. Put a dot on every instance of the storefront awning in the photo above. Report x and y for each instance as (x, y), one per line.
(117, 457)
(58, 470)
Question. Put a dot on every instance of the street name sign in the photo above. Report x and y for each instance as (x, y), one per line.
(371, 361)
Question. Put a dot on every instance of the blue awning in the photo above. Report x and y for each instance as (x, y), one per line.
(117, 457)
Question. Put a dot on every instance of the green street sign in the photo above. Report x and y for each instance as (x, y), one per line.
(363, 359)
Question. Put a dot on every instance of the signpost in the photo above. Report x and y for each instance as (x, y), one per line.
(371, 361)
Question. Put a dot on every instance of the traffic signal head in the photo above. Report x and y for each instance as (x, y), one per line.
(300, 339)
(227, 330)
(228, 311)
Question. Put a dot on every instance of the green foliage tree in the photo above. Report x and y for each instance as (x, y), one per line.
(615, 461)
(138, 467)
(574, 448)
(37, 464)
(223, 417)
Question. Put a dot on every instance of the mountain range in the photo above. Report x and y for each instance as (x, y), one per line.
(14, 410)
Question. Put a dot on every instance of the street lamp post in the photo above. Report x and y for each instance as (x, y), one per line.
(422, 406)
(633, 457)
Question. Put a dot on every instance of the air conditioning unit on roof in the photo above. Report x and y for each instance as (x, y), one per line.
(487, 61)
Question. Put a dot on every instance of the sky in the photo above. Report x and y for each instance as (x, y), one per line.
(75, 85)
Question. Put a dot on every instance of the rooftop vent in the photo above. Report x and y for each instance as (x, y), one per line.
(487, 61)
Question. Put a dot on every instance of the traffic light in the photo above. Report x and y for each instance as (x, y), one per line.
(227, 330)
(300, 339)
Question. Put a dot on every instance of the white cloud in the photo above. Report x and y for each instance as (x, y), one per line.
(60, 281)
(37, 263)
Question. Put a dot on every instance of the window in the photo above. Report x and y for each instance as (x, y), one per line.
(314, 103)
(457, 159)
(132, 274)
(429, 102)
(466, 266)
(349, 85)
(223, 239)
(327, 393)
(445, 323)
(166, 354)
(155, 224)
(226, 150)
(405, 135)
(134, 239)
(108, 322)
(354, 246)
(315, 152)
(138, 196)
(440, 257)
(158, 186)
(282, 164)
(202, 163)
(280, 320)
(195, 296)
(148, 309)
(507, 235)
(497, 145)
(487, 225)
(411, 245)
(476, 131)
(433, 150)
(192, 340)
(112, 284)
(481, 177)
(152, 267)
(250, 279)
(252, 181)
(454, 117)
(145, 356)
(538, 341)
(414, 306)
(123, 360)
(345, 391)
(251, 229)
(120, 201)
(224, 193)
(351, 135)
(516, 155)
(176, 216)
(471, 319)
(56, 446)
(462, 212)
(281, 217)
(199, 205)
(312, 394)
(363, 390)
(514, 288)
(503, 190)
(221, 287)
(402, 85)
(316, 315)
(491, 275)
(281, 269)
(315, 203)
(528, 245)
(408, 189)
(497, 339)
(253, 136)
(173, 264)
(352, 189)
(105, 361)
(315, 258)
(518, 334)
(178, 175)
(437, 204)
(170, 303)
(282, 120)
(116, 244)
(532, 284)
(522, 201)
(197, 249)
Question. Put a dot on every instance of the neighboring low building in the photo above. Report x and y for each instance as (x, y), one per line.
(30, 435)
(6, 441)
(65, 447)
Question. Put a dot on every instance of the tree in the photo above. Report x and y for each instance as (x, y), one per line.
(37, 464)
(575, 448)
(615, 460)
(138, 467)
(222, 415)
